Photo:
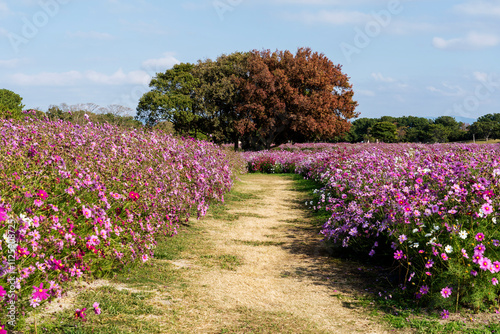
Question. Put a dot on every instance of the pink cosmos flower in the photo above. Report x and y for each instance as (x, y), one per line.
(42, 194)
(40, 292)
(144, 258)
(2, 292)
(38, 202)
(81, 313)
(495, 267)
(480, 237)
(477, 258)
(133, 196)
(398, 255)
(494, 281)
(424, 289)
(444, 256)
(97, 309)
(486, 209)
(3, 215)
(445, 314)
(86, 212)
(446, 292)
(485, 263)
(464, 253)
(35, 302)
(2, 329)
(479, 249)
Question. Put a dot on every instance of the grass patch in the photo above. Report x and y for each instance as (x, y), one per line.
(255, 321)
(225, 261)
(258, 243)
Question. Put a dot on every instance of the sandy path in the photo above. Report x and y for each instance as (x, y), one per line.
(282, 267)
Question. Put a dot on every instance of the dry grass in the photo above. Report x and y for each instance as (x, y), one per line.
(280, 285)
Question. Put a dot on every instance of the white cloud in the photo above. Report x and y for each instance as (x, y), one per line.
(72, 78)
(381, 78)
(471, 41)
(331, 17)
(90, 35)
(482, 8)
(4, 9)
(10, 63)
(160, 64)
(451, 90)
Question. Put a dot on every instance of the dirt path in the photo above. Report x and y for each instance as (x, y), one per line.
(281, 279)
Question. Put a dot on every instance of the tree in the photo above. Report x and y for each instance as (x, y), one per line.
(172, 99)
(292, 98)
(217, 95)
(384, 131)
(359, 129)
(487, 126)
(10, 104)
(437, 133)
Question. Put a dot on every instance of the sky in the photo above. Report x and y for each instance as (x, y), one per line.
(424, 58)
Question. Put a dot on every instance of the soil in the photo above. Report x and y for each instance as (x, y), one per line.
(284, 269)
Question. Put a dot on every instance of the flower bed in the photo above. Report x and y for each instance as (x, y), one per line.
(79, 201)
(435, 207)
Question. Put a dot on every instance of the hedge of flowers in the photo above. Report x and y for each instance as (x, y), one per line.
(435, 207)
(78, 201)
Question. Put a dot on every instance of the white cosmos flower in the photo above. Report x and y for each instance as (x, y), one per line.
(463, 234)
(448, 249)
(415, 230)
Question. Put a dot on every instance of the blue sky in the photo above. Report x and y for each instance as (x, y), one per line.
(404, 57)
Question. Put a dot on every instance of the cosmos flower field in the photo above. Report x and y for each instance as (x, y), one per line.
(432, 209)
(79, 201)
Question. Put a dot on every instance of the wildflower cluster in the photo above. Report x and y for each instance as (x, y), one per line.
(94, 198)
(434, 207)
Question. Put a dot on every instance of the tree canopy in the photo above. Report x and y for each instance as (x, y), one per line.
(10, 104)
(260, 98)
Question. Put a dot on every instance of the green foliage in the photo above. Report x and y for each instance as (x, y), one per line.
(487, 126)
(384, 131)
(10, 104)
(171, 99)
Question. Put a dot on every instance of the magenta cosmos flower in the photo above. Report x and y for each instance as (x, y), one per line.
(81, 313)
(133, 196)
(446, 292)
(480, 237)
(42, 194)
(398, 255)
(40, 292)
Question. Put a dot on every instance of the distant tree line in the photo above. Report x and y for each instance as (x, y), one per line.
(259, 98)
(442, 129)
(113, 114)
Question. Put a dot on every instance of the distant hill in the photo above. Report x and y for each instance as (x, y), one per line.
(459, 119)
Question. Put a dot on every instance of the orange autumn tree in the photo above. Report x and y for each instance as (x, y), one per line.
(286, 97)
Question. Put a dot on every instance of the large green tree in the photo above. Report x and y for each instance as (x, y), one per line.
(172, 99)
(10, 104)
